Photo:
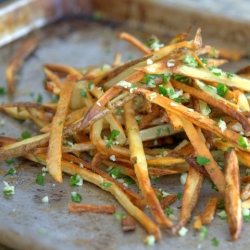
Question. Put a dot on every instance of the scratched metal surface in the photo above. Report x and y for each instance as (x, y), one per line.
(26, 222)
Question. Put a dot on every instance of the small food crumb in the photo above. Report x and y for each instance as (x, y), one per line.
(150, 240)
(183, 231)
(112, 157)
(45, 199)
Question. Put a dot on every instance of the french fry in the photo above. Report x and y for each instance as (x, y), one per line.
(198, 221)
(135, 42)
(54, 154)
(79, 208)
(140, 165)
(208, 214)
(232, 195)
(16, 62)
(168, 200)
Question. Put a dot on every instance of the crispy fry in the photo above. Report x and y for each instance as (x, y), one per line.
(232, 195)
(54, 154)
(208, 215)
(79, 208)
(168, 200)
(140, 165)
(198, 221)
(135, 42)
(17, 61)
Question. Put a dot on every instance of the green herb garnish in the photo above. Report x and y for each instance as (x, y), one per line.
(11, 171)
(242, 141)
(39, 98)
(75, 180)
(230, 75)
(25, 135)
(119, 111)
(222, 89)
(40, 179)
(83, 93)
(119, 216)
(168, 211)
(9, 161)
(190, 61)
(179, 195)
(204, 232)
(215, 242)
(202, 160)
(3, 91)
(76, 197)
(106, 184)
(112, 136)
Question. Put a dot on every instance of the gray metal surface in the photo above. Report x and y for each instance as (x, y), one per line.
(26, 222)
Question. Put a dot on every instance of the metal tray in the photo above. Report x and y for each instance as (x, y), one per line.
(26, 222)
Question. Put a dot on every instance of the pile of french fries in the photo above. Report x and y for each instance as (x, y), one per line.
(162, 114)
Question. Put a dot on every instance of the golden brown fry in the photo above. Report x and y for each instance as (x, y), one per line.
(54, 154)
(232, 195)
(135, 42)
(165, 161)
(65, 69)
(80, 207)
(17, 61)
(198, 221)
(140, 165)
(168, 200)
(201, 149)
(23, 147)
(190, 196)
(211, 206)
(53, 77)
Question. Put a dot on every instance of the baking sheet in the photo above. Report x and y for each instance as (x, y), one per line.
(26, 222)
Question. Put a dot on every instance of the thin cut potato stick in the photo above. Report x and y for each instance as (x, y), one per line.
(168, 200)
(198, 221)
(134, 41)
(201, 149)
(79, 208)
(22, 147)
(190, 196)
(208, 215)
(54, 154)
(140, 165)
(16, 62)
(62, 69)
(165, 161)
(232, 195)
